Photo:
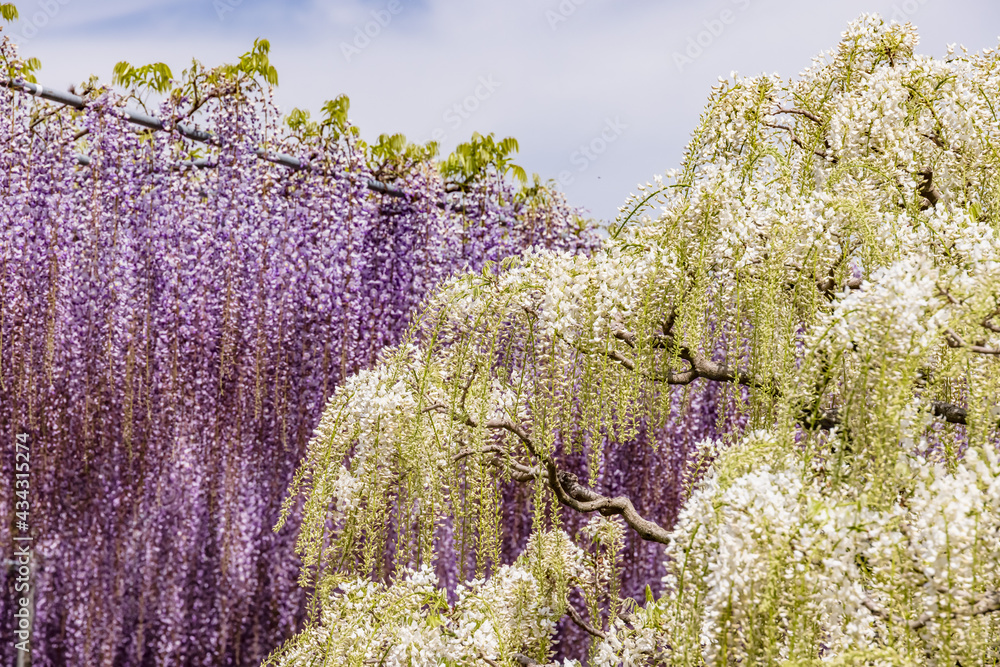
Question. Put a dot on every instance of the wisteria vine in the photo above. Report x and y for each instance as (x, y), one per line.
(828, 257)
(169, 334)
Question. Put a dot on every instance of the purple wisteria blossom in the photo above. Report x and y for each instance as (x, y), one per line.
(169, 336)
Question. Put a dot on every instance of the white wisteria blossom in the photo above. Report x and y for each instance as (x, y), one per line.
(769, 560)
(828, 253)
(411, 622)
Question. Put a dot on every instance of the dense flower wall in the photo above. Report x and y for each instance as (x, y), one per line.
(169, 334)
(828, 258)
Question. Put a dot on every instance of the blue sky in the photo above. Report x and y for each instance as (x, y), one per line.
(601, 94)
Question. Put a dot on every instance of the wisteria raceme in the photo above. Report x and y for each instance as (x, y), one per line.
(828, 258)
(169, 335)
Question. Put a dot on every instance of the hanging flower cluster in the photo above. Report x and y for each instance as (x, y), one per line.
(412, 621)
(829, 253)
(173, 316)
(769, 562)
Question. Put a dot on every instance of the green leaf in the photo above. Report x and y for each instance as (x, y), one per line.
(121, 70)
(509, 145)
(255, 62)
(156, 76)
(336, 110)
(298, 121)
(8, 12)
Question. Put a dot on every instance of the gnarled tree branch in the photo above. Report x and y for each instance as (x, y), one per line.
(802, 112)
(795, 139)
(927, 189)
(566, 486)
(955, 341)
(574, 616)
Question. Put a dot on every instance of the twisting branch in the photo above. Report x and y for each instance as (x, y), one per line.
(802, 112)
(989, 324)
(488, 661)
(821, 418)
(795, 139)
(827, 418)
(700, 365)
(927, 189)
(790, 131)
(626, 337)
(574, 616)
(567, 487)
(986, 604)
(519, 471)
(955, 341)
(943, 291)
(952, 413)
(465, 389)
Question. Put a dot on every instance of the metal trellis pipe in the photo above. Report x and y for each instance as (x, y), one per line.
(152, 123)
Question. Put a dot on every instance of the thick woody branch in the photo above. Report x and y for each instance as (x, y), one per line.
(519, 471)
(488, 661)
(986, 604)
(626, 337)
(988, 322)
(821, 418)
(795, 139)
(952, 413)
(827, 284)
(700, 365)
(943, 291)
(567, 487)
(575, 495)
(955, 341)
(703, 367)
(802, 112)
(827, 418)
(927, 189)
(465, 389)
(574, 616)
